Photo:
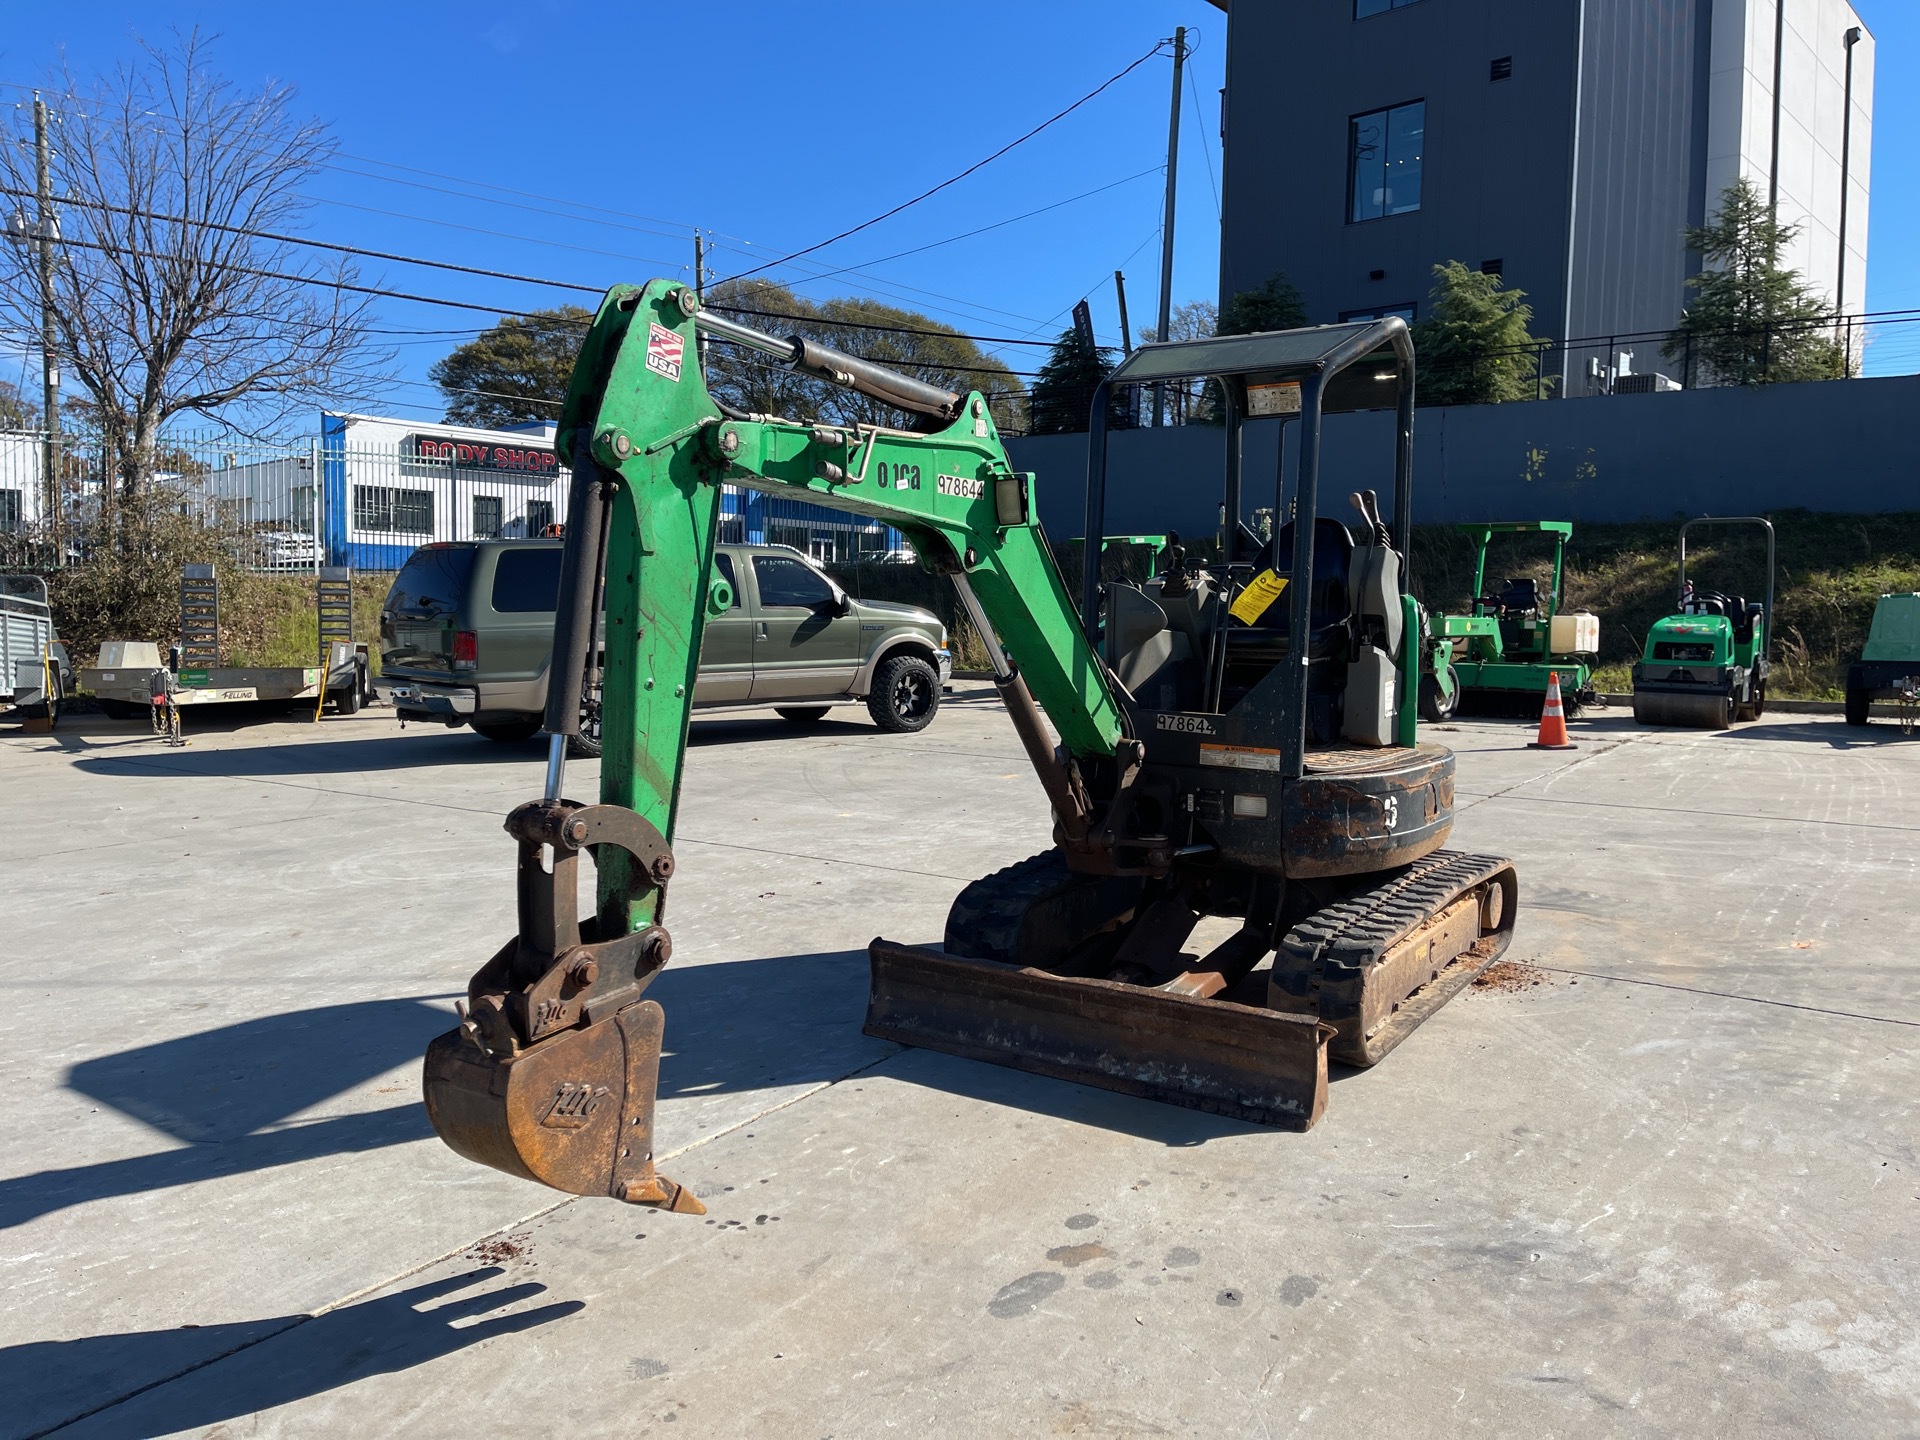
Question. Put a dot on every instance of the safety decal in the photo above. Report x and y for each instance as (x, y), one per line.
(1261, 591)
(665, 350)
(1240, 757)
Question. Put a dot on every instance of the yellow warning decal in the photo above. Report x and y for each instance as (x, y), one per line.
(1261, 591)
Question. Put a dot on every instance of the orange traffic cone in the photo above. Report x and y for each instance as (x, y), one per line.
(1553, 720)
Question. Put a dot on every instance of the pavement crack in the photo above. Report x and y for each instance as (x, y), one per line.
(1729, 995)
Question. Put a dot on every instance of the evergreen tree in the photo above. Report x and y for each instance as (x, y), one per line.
(1062, 398)
(515, 372)
(1276, 305)
(1751, 322)
(1472, 345)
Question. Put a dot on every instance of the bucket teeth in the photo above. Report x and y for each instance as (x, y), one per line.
(574, 1111)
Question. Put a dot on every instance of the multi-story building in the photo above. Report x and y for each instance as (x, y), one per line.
(1565, 145)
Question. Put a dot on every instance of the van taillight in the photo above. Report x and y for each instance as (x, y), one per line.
(466, 649)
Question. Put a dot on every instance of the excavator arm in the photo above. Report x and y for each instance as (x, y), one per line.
(552, 1071)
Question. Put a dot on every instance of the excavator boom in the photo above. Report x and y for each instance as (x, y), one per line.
(1069, 964)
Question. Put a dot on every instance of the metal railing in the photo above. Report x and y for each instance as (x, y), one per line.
(294, 506)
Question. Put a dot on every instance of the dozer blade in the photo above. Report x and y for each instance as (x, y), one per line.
(1706, 711)
(574, 1111)
(1213, 1055)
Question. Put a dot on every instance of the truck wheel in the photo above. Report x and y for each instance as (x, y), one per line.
(1858, 702)
(586, 745)
(905, 694)
(347, 701)
(801, 714)
(1436, 708)
(509, 732)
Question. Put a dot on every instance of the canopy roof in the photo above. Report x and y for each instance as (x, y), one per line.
(1362, 353)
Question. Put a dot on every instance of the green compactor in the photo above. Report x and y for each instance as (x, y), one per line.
(1515, 639)
(1707, 665)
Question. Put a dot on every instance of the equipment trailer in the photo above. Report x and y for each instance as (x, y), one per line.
(121, 681)
(1237, 741)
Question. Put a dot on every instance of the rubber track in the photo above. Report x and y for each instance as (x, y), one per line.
(1325, 960)
(984, 923)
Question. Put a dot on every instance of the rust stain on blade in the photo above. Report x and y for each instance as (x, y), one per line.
(1241, 1061)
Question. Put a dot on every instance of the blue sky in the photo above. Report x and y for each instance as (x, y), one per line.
(773, 126)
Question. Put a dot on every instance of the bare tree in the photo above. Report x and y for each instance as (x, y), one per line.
(168, 298)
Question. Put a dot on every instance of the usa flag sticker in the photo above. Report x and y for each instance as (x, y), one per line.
(665, 350)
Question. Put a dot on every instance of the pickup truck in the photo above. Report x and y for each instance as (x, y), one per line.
(466, 637)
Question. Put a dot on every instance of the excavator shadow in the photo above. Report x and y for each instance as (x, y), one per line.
(152, 1382)
(787, 1020)
(228, 1098)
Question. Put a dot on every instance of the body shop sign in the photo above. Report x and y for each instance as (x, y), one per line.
(483, 455)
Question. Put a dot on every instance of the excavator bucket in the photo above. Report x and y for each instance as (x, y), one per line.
(552, 1071)
(1207, 1054)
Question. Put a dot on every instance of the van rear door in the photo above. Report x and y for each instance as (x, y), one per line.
(426, 606)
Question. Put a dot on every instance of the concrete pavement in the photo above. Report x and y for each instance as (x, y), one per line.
(1669, 1188)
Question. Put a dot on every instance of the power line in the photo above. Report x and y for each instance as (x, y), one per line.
(956, 179)
(997, 225)
(1206, 146)
(356, 250)
(363, 252)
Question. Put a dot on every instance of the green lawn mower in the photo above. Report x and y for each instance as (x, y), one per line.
(1889, 666)
(1503, 654)
(1707, 665)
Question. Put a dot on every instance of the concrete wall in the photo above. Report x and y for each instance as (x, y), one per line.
(1836, 446)
(1675, 101)
(1495, 164)
(1812, 86)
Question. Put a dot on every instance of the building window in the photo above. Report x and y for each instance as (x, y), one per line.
(303, 508)
(489, 515)
(1405, 312)
(1495, 268)
(409, 512)
(10, 511)
(1383, 157)
(1501, 69)
(539, 517)
(1363, 8)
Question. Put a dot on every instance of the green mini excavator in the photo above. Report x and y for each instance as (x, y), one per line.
(1235, 741)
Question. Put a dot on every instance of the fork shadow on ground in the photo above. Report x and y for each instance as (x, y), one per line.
(231, 1095)
(151, 1382)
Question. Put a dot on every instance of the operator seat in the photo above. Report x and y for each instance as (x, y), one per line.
(1253, 650)
(1520, 596)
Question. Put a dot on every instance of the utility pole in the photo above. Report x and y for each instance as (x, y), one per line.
(47, 230)
(1773, 177)
(1120, 291)
(1851, 39)
(700, 292)
(1166, 235)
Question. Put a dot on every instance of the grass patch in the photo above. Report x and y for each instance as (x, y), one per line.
(269, 620)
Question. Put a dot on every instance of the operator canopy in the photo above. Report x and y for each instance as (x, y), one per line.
(1364, 361)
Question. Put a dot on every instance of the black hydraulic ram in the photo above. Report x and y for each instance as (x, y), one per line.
(847, 371)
